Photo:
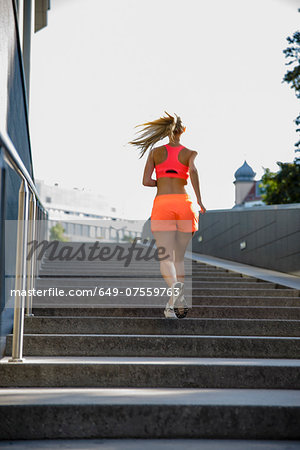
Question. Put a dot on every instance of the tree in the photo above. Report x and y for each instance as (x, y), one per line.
(127, 238)
(283, 186)
(293, 76)
(57, 233)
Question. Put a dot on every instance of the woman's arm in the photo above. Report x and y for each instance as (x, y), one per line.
(149, 167)
(195, 180)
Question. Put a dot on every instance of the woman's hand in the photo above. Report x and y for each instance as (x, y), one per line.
(202, 207)
(195, 181)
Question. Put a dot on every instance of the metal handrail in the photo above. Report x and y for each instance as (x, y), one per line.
(30, 210)
(14, 160)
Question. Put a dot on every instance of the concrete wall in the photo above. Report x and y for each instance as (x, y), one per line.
(14, 120)
(13, 103)
(271, 235)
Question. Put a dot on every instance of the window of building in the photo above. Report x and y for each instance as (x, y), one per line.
(78, 229)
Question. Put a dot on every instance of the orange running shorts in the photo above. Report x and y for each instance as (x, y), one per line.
(172, 212)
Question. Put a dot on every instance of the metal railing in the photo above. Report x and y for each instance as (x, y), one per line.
(32, 217)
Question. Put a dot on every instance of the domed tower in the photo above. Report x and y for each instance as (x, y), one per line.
(244, 180)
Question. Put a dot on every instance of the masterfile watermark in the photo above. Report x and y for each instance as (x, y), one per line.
(96, 291)
(100, 269)
(59, 251)
(51, 292)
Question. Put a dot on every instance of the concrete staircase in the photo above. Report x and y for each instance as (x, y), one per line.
(111, 366)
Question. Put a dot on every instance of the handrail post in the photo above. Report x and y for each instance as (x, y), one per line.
(46, 224)
(2, 231)
(20, 282)
(39, 234)
(31, 261)
(36, 238)
(43, 224)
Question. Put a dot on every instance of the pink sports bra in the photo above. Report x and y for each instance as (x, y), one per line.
(172, 167)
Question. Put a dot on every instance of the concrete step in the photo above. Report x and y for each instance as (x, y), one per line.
(153, 280)
(110, 299)
(141, 325)
(150, 263)
(150, 444)
(223, 300)
(150, 281)
(158, 302)
(156, 345)
(142, 372)
(123, 266)
(90, 273)
(199, 288)
(113, 273)
(218, 300)
(249, 291)
(98, 281)
(196, 284)
(233, 312)
(149, 413)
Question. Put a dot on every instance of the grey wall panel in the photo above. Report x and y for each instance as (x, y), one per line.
(271, 233)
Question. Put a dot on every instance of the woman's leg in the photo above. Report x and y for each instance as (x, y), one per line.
(182, 240)
(166, 239)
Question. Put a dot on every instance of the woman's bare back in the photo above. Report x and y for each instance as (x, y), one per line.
(168, 185)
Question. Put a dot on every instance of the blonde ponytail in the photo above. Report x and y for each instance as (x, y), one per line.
(157, 130)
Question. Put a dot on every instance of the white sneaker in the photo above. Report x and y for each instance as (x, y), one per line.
(169, 312)
(180, 305)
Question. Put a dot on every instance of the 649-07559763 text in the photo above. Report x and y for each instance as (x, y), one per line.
(101, 291)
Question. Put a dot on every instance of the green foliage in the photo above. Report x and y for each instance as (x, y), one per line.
(292, 77)
(127, 238)
(283, 186)
(57, 233)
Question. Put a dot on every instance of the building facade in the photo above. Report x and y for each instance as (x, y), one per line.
(247, 190)
(86, 216)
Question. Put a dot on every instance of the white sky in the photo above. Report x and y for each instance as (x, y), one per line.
(101, 67)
